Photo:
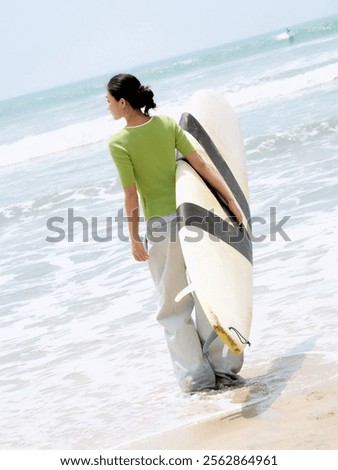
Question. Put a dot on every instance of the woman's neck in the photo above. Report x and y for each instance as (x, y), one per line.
(135, 117)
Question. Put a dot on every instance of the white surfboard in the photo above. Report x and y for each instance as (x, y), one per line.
(217, 252)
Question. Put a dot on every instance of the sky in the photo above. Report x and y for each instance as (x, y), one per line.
(47, 43)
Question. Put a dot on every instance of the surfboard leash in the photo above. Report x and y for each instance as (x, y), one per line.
(242, 339)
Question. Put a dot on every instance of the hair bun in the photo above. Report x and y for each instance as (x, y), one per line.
(144, 90)
(146, 98)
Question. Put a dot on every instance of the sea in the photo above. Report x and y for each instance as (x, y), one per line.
(83, 362)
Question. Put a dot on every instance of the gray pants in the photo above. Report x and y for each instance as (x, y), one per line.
(194, 370)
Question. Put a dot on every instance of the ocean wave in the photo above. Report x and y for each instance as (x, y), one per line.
(99, 130)
(282, 36)
(283, 138)
(56, 141)
(275, 89)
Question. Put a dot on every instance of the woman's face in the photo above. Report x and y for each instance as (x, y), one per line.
(115, 107)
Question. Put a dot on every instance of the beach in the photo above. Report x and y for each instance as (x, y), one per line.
(83, 363)
(281, 413)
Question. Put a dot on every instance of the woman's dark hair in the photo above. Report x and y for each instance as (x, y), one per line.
(129, 87)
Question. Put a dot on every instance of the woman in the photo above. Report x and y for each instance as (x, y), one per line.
(144, 153)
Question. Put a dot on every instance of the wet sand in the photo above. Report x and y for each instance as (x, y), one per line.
(291, 405)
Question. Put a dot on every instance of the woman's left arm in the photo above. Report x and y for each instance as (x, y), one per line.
(132, 209)
(209, 173)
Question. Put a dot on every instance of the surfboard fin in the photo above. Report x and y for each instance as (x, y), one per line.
(187, 290)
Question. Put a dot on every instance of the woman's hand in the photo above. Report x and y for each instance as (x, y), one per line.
(138, 251)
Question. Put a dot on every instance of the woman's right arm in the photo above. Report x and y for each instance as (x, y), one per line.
(216, 181)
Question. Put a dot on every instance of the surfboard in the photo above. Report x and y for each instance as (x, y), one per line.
(217, 251)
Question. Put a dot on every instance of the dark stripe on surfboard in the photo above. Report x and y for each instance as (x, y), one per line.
(190, 124)
(193, 215)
